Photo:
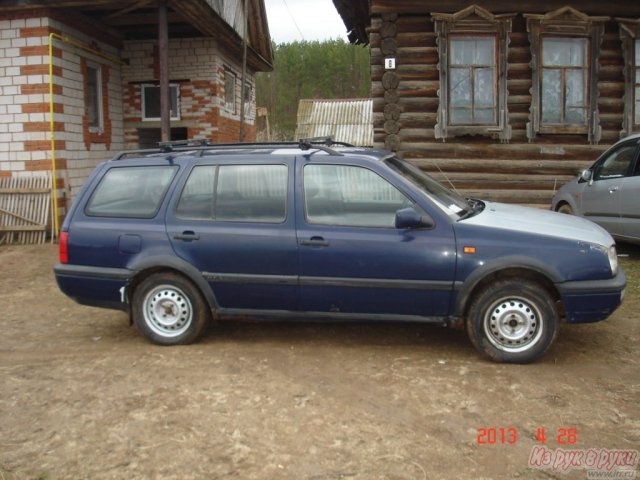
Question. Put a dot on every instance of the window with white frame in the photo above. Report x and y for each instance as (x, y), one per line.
(94, 110)
(565, 50)
(151, 102)
(229, 91)
(472, 65)
(565, 81)
(472, 80)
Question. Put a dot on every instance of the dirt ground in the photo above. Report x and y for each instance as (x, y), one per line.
(83, 395)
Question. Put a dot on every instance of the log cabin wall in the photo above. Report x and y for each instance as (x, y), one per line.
(518, 169)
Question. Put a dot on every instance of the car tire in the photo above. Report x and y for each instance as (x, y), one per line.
(512, 321)
(565, 208)
(169, 310)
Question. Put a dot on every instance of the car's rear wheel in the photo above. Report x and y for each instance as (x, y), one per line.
(513, 321)
(565, 208)
(169, 310)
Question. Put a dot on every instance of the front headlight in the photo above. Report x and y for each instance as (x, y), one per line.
(613, 260)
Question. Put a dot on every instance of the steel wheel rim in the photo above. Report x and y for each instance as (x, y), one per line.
(167, 311)
(513, 324)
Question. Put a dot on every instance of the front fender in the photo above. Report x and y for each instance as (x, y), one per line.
(513, 262)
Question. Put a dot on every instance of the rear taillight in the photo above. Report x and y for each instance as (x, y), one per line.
(64, 247)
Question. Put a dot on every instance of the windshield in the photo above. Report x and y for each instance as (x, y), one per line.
(452, 201)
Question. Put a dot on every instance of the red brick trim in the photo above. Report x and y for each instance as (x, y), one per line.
(40, 70)
(35, 145)
(36, 88)
(41, 50)
(38, 165)
(38, 31)
(42, 126)
(41, 108)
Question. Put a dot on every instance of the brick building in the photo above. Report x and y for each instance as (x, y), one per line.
(105, 72)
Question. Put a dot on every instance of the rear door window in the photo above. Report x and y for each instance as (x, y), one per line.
(132, 192)
(235, 193)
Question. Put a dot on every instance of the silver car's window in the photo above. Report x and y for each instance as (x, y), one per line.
(616, 164)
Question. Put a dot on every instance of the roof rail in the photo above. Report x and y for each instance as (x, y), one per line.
(202, 145)
(196, 142)
(305, 143)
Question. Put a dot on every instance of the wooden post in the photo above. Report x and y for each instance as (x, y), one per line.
(244, 69)
(163, 59)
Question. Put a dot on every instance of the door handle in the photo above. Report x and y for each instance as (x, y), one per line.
(187, 236)
(315, 242)
(613, 189)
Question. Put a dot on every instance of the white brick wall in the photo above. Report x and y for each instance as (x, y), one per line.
(13, 156)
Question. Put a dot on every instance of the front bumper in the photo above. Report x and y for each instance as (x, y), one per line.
(592, 300)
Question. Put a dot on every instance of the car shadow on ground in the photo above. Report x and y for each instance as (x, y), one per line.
(361, 333)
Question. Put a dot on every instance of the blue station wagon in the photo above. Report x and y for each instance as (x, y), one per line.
(324, 231)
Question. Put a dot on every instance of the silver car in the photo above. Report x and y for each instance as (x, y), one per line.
(608, 193)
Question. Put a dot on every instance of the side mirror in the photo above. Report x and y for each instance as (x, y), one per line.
(586, 175)
(410, 218)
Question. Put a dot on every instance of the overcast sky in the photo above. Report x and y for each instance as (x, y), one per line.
(291, 20)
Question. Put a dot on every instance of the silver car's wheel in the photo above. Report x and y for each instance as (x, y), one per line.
(565, 208)
(512, 320)
(169, 310)
(513, 324)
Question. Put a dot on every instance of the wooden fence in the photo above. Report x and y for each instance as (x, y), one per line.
(24, 209)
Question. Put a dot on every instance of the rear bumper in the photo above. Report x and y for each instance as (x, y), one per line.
(593, 300)
(93, 286)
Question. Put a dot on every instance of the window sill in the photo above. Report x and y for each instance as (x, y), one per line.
(564, 129)
(158, 119)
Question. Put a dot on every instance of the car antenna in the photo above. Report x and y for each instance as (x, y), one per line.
(453, 187)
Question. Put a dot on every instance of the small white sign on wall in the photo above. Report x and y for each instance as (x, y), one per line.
(390, 63)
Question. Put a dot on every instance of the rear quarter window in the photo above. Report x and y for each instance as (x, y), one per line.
(132, 192)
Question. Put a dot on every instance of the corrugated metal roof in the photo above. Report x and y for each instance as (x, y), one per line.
(348, 121)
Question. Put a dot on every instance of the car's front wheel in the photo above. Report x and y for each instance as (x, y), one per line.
(513, 321)
(565, 208)
(169, 310)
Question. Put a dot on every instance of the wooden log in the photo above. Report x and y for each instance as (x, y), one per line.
(391, 96)
(388, 29)
(485, 166)
(390, 80)
(416, 7)
(417, 119)
(416, 134)
(416, 39)
(388, 46)
(392, 142)
(487, 149)
(419, 104)
(392, 111)
(391, 126)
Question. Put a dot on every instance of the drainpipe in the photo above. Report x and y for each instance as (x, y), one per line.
(163, 58)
